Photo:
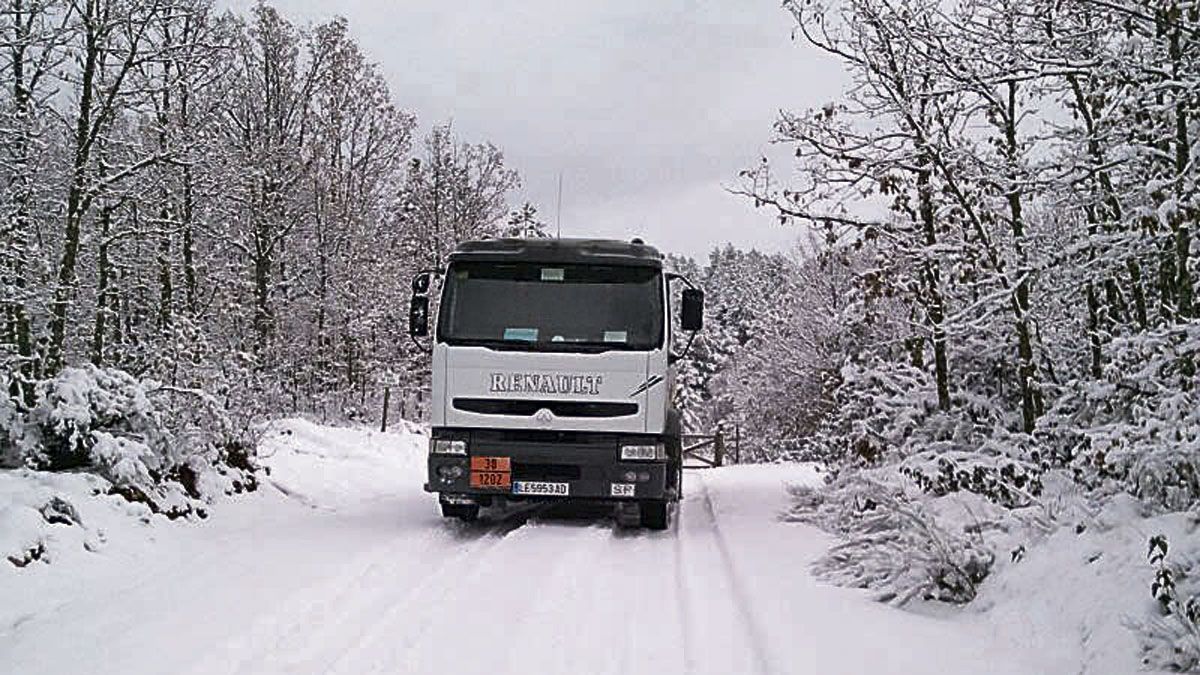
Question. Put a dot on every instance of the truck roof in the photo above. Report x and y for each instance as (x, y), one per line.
(577, 251)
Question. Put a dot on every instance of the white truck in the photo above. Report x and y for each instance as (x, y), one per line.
(552, 370)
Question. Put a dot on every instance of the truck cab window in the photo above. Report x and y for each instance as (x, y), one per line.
(553, 306)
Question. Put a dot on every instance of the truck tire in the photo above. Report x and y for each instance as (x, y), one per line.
(655, 514)
(675, 466)
(468, 513)
(675, 453)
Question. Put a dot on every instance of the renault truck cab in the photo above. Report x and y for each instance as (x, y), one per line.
(552, 370)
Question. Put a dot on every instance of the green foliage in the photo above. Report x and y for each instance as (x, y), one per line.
(1172, 640)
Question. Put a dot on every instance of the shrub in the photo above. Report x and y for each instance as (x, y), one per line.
(878, 407)
(61, 430)
(165, 447)
(1171, 640)
(12, 429)
(998, 477)
(1138, 429)
(893, 545)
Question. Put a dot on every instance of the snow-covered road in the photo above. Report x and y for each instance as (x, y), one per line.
(343, 565)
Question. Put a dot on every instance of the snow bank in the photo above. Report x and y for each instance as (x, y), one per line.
(1072, 581)
(1081, 598)
(942, 505)
(816, 627)
(45, 517)
(319, 467)
(166, 450)
(323, 467)
(125, 577)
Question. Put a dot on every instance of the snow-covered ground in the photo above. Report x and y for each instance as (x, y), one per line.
(341, 564)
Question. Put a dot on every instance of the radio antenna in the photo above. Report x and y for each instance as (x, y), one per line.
(558, 208)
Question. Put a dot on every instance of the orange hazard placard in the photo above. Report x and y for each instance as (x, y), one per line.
(491, 479)
(491, 464)
(491, 472)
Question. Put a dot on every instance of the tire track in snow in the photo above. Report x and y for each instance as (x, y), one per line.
(303, 634)
(682, 601)
(636, 596)
(390, 642)
(754, 633)
(565, 583)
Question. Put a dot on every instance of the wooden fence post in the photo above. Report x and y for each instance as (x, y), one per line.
(718, 448)
(387, 396)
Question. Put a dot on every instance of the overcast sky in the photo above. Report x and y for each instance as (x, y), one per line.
(646, 107)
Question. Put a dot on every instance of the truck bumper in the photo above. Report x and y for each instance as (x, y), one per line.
(587, 464)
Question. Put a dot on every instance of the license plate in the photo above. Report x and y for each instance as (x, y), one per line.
(621, 490)
(531, 487)
(491, 479)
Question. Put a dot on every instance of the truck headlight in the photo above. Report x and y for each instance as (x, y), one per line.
(644, 452)
(446, 446)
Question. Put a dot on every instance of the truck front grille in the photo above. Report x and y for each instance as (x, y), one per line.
(528, 407)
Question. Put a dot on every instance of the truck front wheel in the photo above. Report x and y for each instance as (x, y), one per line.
(654, 515)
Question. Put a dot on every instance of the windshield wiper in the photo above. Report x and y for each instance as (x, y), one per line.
(527, 346)
(489, 343)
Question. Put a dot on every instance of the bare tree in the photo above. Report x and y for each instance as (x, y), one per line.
(34, 32)
(110, 40)
(456, 191)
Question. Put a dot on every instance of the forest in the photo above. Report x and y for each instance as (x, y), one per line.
(1001, 299)
(209, 219)
(227, 206)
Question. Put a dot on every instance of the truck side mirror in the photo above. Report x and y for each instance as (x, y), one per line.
(691, 310)
(418, 316)
(420, 284)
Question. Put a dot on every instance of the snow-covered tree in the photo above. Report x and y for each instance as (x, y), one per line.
(1013, 187)
(454, 191)
(225, 207)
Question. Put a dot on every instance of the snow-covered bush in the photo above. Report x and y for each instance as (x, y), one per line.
(12, 428)
(209, 439)
(878, 407)
(71, 408)
(1138, 429)
(995, 470)
(169, 448)
(1171, 640)
(124, 461)
(893, 544)
(903, 474)
(886, 414)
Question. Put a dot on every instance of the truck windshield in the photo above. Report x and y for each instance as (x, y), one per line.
(553, 307)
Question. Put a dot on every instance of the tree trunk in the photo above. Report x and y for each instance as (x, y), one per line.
(165, 282)
(1139, 293)
(21, 330)
(1027, 369)
(1093, 327)
(189, 254)
(64, 290)
(104, 270)
(1166, 279)
(935, 308)
(165, 278)
(262, 294)
(1182, 278)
